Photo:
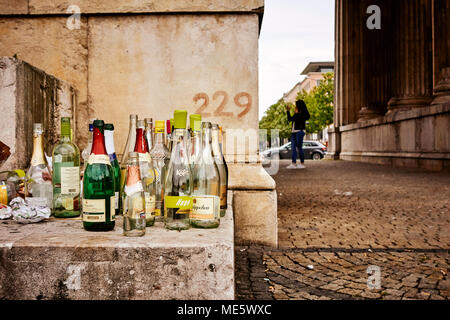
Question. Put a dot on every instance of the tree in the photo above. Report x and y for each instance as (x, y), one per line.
(319, 102)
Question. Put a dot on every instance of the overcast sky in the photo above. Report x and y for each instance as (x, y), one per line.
(293, 33)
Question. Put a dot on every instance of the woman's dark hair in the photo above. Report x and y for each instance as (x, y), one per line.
(301, 105)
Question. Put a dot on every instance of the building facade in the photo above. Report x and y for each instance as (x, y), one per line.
(392, 83)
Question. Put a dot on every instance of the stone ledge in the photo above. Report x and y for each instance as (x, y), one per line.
(144, 6)
(59, 260)
(400, 154)
(249, 176)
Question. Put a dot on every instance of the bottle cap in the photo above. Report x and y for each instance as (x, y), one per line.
(168, 127)
(149, 121)
(195, 122)
(206, 125)
(215, 126)
(133, 117)
(179, 117)
(37, 128)
(109, 126)
(65, 126)
(99, 123)
(159, 126)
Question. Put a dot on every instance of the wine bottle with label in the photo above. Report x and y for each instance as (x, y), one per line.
(221, 165)
(66, 174)
(195, 121)
(39, 179)
(147, 173)
(178, 182)
(205, 211)
(160, 159)
(129, 147)
(133, 199)
(98, 186)
(109, 141)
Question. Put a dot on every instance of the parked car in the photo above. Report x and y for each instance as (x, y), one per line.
(312, 149)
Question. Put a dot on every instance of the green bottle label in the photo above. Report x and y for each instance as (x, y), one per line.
(178, 202)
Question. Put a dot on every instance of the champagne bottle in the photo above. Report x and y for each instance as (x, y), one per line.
(147, 173)
(221, 165)
(39, 178)
(206, 195)
(178, 182)
(195, 121)
(66, 174)
(129, 147)
(133, 199)
(110, 149)
(160, 158)
(149, 135)
(98, 186)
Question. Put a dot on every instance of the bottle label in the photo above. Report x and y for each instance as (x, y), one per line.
(4, 194)
(182, 203)
(99, 158)
(70, 180)
(116, 200)
(205, 207)
(223, 196)
(149, 205)
(157, 212)
(112, 209)
(94, 210)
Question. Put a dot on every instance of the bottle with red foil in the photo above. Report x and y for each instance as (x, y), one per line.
(147, 173)
(98, 186)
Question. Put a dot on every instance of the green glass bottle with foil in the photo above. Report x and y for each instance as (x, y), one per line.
(147, 173)
(205, 211)
(133, 199)
(110, 149)
(221, 165)
(160, 157)
(178, 183)
(39, 177)
(66, 174)
(99, 186)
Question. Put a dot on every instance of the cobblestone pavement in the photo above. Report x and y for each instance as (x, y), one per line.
(336, 219)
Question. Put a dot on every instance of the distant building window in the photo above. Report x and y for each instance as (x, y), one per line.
(326, 70)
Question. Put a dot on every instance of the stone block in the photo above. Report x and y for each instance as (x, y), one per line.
(442, 132)
(249, 177)
(29, 95)
(407, 136)
(59, 260)
(13, 7)
(255, 214)
(48, 44)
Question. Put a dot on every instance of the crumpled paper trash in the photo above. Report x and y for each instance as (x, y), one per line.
(5, 212)
(30, 211)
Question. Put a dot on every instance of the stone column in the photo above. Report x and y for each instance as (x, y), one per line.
(348, 52)
(376, 62)
(411, 55)
(441, 51)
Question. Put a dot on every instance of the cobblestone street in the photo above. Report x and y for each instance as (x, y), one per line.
(336, 218)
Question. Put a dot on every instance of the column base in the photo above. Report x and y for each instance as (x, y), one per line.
(407, 103)
(442, 89)
(367, 114)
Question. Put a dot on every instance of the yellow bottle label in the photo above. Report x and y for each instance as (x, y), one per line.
(204, 207)
(4, 195)
(94, 210)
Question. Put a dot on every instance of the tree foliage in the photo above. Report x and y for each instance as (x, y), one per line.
(319, 102)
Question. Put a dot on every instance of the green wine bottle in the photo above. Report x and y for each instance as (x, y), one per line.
(99, 186)
(66, 175)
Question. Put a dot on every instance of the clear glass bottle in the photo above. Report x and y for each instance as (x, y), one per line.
(129, 147)
(98, 186)
(147, 173)
(221, 165)
(133, 199)
(160, 158)
(149, 135)
(87, 150)
(110, 149)
(39, 179)
(195, 121)
(178, 183)
(66, 174)
(205, 211)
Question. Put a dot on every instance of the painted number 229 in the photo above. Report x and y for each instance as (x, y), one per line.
(242, 100)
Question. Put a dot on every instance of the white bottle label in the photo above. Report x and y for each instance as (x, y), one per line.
(205, 207)
(70, 180)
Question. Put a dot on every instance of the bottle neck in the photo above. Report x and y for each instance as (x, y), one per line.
(141, 143)
(66, 132)
(38, 156)
(98, 143)
(215, 143)
(132, 136)
(159, 138)
(207, 153)
(133, 173)
(109, 141)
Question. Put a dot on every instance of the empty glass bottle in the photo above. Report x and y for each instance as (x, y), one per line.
(149, 135)
(66, 174)
(160, 158)
(206, 195)
(195, 121)
(39, 179)
(129, 147)
(178, 182)
(147, 173)
(223, 170)
(109, 142)
(133, 199)
(98, 186)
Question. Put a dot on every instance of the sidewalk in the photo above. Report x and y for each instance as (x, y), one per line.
(338, 218)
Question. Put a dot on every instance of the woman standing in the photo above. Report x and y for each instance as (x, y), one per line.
(298, 132)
